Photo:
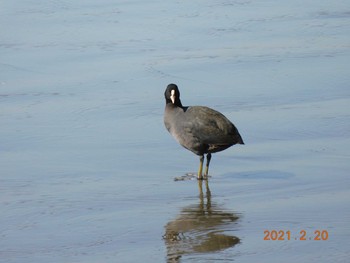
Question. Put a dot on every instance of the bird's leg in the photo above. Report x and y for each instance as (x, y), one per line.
(207, 166)
(201, 159)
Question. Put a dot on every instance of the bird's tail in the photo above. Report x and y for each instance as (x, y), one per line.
(240, 140)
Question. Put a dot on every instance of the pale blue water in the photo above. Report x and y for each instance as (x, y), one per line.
(87, 168)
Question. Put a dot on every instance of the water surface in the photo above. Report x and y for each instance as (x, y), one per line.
(87, 167)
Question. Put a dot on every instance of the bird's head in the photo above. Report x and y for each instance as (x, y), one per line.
(172, 95)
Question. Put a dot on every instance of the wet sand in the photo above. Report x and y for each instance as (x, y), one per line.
(87, 167)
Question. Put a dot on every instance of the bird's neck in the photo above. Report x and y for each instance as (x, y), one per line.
(176, 104)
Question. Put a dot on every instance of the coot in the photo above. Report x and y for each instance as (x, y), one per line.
(197, 128)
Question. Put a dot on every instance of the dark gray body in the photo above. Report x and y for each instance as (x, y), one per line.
(200, 129)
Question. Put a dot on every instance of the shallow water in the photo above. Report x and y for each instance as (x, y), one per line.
(87, 167)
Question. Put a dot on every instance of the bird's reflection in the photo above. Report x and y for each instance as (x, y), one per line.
(200, 228)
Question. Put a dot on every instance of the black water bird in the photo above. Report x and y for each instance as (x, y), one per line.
(199, 129)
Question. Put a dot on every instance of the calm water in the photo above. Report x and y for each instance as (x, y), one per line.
(87, 167)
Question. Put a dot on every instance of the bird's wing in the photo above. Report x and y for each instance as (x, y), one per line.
(209, 126)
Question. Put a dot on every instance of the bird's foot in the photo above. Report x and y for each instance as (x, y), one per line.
(203, 177)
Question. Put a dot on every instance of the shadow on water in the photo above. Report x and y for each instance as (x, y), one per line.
(200, 228)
